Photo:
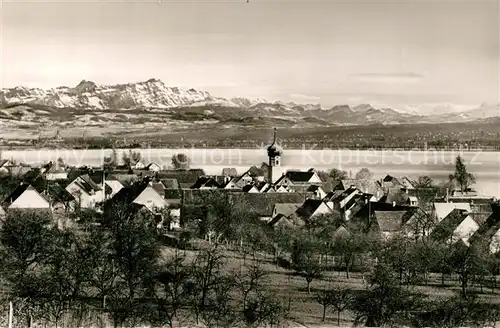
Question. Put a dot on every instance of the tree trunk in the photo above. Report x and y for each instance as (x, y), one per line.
(442, 278)
(308, 287)
(324, 313)
(338, 318)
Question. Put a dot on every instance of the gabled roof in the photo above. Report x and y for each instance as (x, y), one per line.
(170, 183)
(18, 191)
(443, 209)
(286, 209)
(299, 176)
(444, 230)
(333, 195)
(4, 161)
(205, 181)
(366, 186)
(283, 220)
(128, 194)
(487, 230)
(363, 210)
(313, 188)
(85, 183)
(151, 164)
(59, 194)
(159, 188)
(309, 207)
(249, 187)
(390, 221)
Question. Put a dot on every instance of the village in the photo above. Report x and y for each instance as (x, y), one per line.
(390, 205)
(308, 223)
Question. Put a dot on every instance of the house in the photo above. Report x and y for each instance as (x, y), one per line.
(388, 223)
(390, 182)
(141, 192)
(153, 167)
(312, 208)
(488, 234)
(441, 210)
(159, 187)
(317, 191)
(263, 186)
(285, 209)
(298, 178)
(280, 221)
(407, 183)
(5, 166)
(400, 196)
(60, 199)
(250, 189)
(205, 182)
(362, 212)
(139, 166)
(26, 196)
(458, 225)
(339, 199)
(366, 186)
(114, 185)
(86, 192)
(55, 172)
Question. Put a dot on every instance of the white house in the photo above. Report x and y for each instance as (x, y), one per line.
(114, 185)
(86, 192)
(456, 226)
(5, 166)
(26, 197)
(139, 166)
(441, 210)
(313, 207)
(299, 178)
(153, 167)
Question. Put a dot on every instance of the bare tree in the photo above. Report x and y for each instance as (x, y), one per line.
(364, 174)
(180, 161)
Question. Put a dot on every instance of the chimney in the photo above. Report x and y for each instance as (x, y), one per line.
(447, 196)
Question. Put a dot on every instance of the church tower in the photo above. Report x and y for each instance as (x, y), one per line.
(274, 153)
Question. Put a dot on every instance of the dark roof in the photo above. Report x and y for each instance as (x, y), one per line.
(289, 221)
(3, 161)
(363, 210)
(447, 226)
(299, 176)
(128, 194)
(159, 188)
(205, 182)
(87, 184)
(98, 175)
(59, 194)
(390, 221)
(247, 188)
(151, 164)
(15, 194)
(488, 229)
(308, 208)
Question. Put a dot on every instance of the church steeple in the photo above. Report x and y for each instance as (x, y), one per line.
(274, 153)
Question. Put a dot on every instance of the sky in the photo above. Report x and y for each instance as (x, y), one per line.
(404, 54)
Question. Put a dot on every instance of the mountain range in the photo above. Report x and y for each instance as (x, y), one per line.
(153, 101)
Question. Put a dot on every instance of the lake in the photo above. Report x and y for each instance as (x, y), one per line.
(435, 164)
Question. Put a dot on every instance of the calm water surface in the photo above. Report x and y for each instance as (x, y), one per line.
(436, 164)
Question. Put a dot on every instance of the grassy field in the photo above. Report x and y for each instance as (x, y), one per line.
(305, 311)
